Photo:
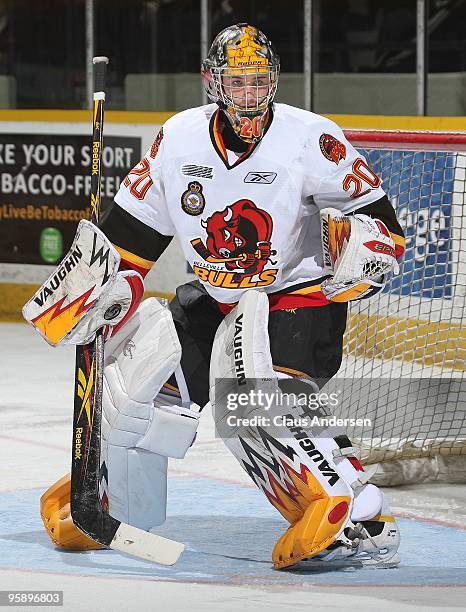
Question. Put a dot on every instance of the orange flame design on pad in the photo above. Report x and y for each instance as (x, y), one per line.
(302, 488)
(55, 322)
(339, 233)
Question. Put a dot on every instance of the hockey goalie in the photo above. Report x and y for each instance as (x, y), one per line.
(283, 223)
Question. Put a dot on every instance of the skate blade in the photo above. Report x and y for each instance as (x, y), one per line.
(353, 562)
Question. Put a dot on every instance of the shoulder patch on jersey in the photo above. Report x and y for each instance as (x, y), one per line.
(201, 171)
(156, 145)
(264, 178)
(332, 149)
(193, 200)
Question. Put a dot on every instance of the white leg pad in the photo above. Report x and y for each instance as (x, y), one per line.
(138, 361)
(171, 431)
(241, 351)
(277, 459)
(137, 487)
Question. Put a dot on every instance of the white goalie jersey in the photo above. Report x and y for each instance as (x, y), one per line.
(250, 220)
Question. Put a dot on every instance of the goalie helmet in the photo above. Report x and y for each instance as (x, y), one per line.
(240, 73)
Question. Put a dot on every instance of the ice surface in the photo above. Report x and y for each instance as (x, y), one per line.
(228, 526)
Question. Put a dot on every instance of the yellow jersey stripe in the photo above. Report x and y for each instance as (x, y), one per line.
(134, 259)
(397, 239)
(289, 371)
(306, 290)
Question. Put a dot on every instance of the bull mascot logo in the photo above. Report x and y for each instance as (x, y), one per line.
(332, 149)
(238, 236)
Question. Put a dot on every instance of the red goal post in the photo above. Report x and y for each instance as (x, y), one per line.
(410, 140)
(405, 349)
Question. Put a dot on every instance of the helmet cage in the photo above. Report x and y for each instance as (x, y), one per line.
(249, 90)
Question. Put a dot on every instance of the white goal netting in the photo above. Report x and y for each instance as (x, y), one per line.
(405, 350)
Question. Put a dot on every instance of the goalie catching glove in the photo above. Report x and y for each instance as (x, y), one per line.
(86, 292)
(358, 252)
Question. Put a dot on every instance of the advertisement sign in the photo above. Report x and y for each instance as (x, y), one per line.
(44, 190)
(420, 186)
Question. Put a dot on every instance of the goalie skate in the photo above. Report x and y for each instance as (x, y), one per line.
(371, 543)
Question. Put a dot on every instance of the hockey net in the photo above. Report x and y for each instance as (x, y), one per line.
(404, 352)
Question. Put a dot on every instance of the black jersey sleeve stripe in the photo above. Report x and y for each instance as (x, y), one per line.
(132, 235)
(383, 210)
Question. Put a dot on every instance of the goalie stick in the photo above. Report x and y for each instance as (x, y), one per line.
(87, 510)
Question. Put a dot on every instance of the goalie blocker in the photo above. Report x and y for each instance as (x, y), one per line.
(85, 292)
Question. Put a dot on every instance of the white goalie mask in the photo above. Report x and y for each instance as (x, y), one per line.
(240, 73)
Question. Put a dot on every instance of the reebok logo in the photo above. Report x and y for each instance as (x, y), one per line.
(264, 178)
